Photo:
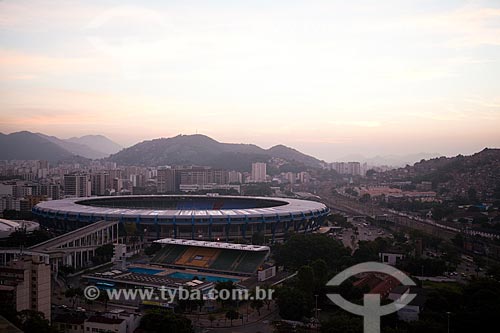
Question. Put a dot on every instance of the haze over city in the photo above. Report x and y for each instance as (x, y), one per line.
(325, 77)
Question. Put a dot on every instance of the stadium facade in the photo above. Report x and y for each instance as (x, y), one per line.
(196, 217)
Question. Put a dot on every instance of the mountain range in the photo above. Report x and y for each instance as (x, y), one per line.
(179, 150)
(202, 150)
(99, 143)
(33, 146)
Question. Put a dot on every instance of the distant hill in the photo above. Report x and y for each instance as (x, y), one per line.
(390, 160)
(98, 143)
(75, 148)
(203, 150)
(33, 146)
(456, 176)
(30, 146)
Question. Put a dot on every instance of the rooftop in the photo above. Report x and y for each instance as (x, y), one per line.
(217, 245)
(75, 206)
(104, 320)
(55, 242)
(7, 226)
(69, 319)
(147, 280)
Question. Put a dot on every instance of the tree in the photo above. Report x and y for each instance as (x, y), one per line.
(155, 247)
(431, 267)
(103, 297)
(441, 211)
(342, 323)
(22, 238)
(159, 321)
(190, 303)
(65, 270)
(369, 250)
(292, 303)
(17, 239)
(257, 189)
(132, 233)
(103, 254)
(7, 308)
(257, 304)
(74, 294)
(225, 285)
(232, 315)
(302, 249)
(428, 240)
(320, 270)
(211, 317)
(268, 300)
(371, 173)
(365, 198)
(34, 321)
(481, 301)
(305, 280)
(287, 235)
(340, 220)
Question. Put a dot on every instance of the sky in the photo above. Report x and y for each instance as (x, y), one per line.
(330, 78)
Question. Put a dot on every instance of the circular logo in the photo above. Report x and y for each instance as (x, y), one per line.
(91, 293)
(371, 310)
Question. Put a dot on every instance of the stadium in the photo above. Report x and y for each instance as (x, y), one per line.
(194, 217)
(191, 265)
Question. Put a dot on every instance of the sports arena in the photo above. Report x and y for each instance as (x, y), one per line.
(196, 217)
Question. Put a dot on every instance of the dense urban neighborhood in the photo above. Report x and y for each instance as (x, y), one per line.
(282, 224)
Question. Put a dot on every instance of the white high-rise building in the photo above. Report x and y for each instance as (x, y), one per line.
(290, 176)
(234, 177)
(259, 172)
(304, 177)
(347, 168)
(354, 168)
(100, 182)
(77, 185)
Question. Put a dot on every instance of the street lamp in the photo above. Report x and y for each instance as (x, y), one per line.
(316, 311)
(448, 315)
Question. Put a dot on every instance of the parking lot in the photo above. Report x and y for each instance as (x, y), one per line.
(361, 231)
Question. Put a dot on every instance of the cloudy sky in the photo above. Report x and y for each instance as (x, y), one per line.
(330, 78)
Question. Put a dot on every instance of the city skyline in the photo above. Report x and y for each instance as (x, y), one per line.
(327, 78)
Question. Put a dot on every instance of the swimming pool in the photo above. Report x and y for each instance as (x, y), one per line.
(148, 271)
(209, 278)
